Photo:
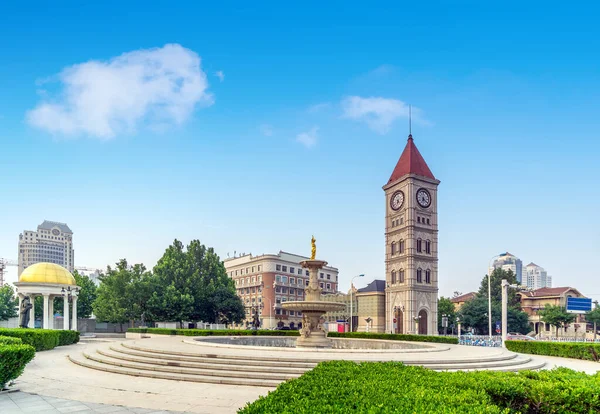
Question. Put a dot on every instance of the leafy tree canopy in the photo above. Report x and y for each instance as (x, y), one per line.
(474, 314)
(445, 307)
(496, 285)
(87, 295)
(556, 316)
(8, 303)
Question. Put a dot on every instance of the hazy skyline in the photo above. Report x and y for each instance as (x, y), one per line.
(251, 128)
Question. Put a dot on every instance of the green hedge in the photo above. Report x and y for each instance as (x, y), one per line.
(206, 332)
(577, 350)
(42, 339)
(13, 359)
(9, 340)
(394, 337)
(390, 387)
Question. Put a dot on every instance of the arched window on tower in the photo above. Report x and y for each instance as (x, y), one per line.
(428, 276)
(428, 246)
(401, 246)
(393, 248)
(419, 275)
(401, 275)
(419, 246)
(393, 277)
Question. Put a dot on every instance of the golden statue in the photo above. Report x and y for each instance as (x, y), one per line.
(313, 250)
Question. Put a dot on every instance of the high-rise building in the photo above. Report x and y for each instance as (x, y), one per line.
(265, 282)
(51, 243)
(537, 277)
(507, 261)
(411, 240)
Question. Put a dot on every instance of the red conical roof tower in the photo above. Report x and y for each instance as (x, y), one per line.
(411, 162)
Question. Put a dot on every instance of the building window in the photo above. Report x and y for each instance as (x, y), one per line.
(284, 290)
(252, 269)
(328, 277)
(393, 248)
(307, 274)
(277, 289)
(427, 221)
(419, 276)
(292, 280)
(292, 270)
(292, 291)
(278, 268)
(401, 246)
(419, 249)
(259, 268)
(277, 300)
(401, 275)
(322, 275)
(428, 247)
(277, 311)
(236, 272)
(284, 268)
(428, 276)
(284, 279)
(299, 271)
(292, 313)
(393, 277)
(278, 278)
(328, 286)
(321, 285)
(247, 270)
(307, 283)
(418, 219)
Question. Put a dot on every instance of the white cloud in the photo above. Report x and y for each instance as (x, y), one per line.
(266, 130)
(219, 74)
(309, 138)
(319, 107)
(378, 113)
(155, 87)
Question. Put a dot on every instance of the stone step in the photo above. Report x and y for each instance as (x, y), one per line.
(531, 365)
(240, 367)
(456, 365)
(265, 361)
(225, 372)
(84, 362)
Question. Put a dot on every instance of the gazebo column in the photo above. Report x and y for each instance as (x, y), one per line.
(74, 323)
(51, 313)
(45, 323)
(32, 313)
(66, 312)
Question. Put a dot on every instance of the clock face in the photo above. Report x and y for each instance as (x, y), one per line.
(56, 232)
(423, 198)
(397, 200)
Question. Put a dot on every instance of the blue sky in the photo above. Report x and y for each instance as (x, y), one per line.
(257, 146)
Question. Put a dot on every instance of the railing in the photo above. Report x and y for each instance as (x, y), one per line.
(568, 339)
(480, 340)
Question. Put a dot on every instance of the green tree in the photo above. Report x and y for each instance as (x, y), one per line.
(474, 314)
(193, 285)
(8, 303)
(87, 295)
(556, 316)
(593, 316)
(445, 307)
(123, 293)
(496, 285)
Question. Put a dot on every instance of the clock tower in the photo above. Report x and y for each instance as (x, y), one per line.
(411, 246)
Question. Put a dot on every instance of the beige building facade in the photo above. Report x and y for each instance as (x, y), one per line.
(51, 243)
(411, 246)
(265, 282)
(371, 307)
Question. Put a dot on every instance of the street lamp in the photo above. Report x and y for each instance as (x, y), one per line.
(351, 304)
(458, 327)
(445, 324)
(262, 285)
(392, 310)
(489, 278)
(505, 285)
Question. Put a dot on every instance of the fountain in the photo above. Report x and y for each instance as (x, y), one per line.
(312, 334)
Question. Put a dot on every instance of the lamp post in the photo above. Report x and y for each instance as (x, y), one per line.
(392, 311)
(262, 285)
(416, 318)
(505, 285)
(458, 327)
(351, 303)
(445, 324)
(489, 278)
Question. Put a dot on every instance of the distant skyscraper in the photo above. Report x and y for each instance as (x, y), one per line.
(507, 261)
(51, 243)
(537, 277)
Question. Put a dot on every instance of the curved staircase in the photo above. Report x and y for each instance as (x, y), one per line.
(256, 369)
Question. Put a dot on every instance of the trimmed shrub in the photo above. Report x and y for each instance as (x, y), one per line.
(394, 337)
(67, 337)
(390, 387)
(206, 332)
(42, 339)
(577, 350)
(13, 359)
(9, 340)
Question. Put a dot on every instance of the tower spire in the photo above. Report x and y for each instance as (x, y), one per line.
(410, 121)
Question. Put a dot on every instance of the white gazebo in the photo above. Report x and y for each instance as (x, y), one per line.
(50, 281)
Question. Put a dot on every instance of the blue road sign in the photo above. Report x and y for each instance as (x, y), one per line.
(579, 305)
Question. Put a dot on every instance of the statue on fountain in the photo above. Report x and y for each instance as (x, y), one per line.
(305, 330)
(25, 308)
(313, 250)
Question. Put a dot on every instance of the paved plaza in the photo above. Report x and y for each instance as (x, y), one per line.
(53, 384)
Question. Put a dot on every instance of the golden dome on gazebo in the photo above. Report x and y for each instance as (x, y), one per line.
(47, 273)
